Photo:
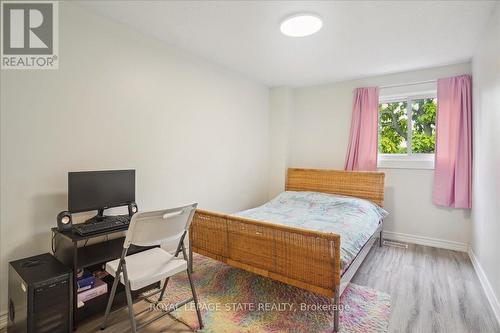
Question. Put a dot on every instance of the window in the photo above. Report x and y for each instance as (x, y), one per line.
(407, 131)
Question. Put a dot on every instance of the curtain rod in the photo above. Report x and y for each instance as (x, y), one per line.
(406, 84)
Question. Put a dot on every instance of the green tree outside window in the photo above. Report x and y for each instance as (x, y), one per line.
(393, 126)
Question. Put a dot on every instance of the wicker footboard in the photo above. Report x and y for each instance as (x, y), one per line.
(303, 258)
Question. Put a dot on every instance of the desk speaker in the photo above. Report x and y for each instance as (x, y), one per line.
(132, 209)
(64, 221)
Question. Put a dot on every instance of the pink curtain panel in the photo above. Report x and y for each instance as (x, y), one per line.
(453, 166)
(362, 148)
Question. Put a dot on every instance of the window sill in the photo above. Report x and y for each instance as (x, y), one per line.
(396, 161)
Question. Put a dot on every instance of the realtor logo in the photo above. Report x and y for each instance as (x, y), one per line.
(29, 35)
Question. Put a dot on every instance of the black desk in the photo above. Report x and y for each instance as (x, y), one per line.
(71, 249)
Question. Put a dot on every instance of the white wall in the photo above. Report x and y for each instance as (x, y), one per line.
(193, 131)
(280, 109)
(486, 189)
(320, 125)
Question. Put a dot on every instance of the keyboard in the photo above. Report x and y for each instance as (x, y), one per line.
(109, 223)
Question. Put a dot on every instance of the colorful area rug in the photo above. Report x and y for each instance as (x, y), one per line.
(236, 301)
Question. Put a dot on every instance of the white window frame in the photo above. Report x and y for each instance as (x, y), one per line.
(408, 160)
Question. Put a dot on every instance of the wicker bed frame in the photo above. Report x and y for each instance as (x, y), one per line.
(302, 258)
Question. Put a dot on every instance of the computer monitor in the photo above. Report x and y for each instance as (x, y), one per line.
(98, 190)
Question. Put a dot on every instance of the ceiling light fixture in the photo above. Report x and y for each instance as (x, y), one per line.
(300, 25)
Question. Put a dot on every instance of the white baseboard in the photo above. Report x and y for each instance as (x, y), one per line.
(3, 320)
(428, 241)
(485, 283)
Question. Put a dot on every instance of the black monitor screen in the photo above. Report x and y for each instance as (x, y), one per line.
(92, 190)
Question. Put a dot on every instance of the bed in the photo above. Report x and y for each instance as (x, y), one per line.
(276, 241)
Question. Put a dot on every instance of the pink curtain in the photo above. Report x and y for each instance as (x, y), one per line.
(453, 166)
(362, 149)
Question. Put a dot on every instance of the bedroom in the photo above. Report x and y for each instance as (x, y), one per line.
(211, 102)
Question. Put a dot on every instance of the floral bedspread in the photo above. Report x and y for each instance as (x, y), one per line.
(354, 219)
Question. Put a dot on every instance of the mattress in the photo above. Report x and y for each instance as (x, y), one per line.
(354, 219)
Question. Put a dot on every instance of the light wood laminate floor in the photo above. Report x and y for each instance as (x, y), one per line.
(433, 290)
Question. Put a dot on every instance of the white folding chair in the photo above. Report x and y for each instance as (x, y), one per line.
(151, 266)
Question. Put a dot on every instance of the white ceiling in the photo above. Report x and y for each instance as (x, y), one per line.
(358, 38)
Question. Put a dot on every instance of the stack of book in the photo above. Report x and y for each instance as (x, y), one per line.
(90, 287)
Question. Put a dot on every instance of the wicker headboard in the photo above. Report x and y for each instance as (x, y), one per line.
(364, 185)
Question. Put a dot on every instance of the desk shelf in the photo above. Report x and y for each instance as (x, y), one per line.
(68, 251)
(98, 304)
(103, 252)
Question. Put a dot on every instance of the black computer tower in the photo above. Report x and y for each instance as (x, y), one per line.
(40, 296)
